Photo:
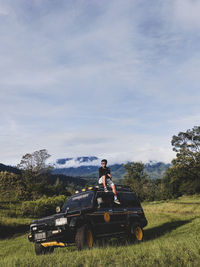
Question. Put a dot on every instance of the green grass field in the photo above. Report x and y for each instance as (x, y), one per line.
(172, 238)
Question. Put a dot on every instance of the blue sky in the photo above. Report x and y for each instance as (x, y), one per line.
(114, 79)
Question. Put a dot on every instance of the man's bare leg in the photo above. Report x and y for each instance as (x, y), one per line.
(115, 195)
(104, 180)
(104, 183)
(114, 190)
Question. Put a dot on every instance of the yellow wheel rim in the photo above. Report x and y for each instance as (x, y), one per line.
(106, 217)
(139, 233)
(89, 238)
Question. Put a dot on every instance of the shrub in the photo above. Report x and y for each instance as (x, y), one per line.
(42, 207)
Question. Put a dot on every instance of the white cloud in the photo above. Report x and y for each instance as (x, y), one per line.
(4, 10)
(187, 14)
(104, 78)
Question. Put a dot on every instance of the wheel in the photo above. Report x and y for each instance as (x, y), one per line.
(49, 250)
(139, 234)
(84, 237)
(40, 250)
(136, 233)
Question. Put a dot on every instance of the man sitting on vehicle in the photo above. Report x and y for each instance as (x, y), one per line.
(105, 178)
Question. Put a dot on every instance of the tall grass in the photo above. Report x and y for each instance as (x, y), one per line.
(172, 238)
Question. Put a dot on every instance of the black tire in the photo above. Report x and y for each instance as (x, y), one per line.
(136, 233)
(49, 250)
(84, 237)
(40, 250)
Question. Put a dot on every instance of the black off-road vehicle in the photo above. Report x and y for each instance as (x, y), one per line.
(87, 216)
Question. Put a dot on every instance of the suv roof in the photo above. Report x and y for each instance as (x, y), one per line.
(119, 188)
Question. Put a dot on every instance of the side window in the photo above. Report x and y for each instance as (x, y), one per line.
(104, 200)
(79, 202)
(130, 200)
(119, 196)
(87, 201)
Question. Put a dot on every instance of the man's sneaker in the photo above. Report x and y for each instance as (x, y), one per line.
(117, 201)
(105, 189)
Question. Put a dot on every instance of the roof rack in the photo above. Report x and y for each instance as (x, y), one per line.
(100, 187)
(119, 187)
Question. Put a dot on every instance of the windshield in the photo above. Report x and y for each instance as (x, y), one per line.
(80, 201)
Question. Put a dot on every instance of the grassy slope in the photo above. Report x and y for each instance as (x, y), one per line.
(171, 239)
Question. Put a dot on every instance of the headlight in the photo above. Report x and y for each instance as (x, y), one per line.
(60, 221)
(33, 227)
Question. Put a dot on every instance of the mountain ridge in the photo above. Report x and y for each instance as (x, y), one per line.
(9, 168)
(87, 167)
(82, 167)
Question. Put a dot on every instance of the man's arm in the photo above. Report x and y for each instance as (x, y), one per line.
(100, 173)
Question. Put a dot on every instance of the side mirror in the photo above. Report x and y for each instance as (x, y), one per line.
(57, 209)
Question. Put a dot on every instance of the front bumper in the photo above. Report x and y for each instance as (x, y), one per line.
(61, 234)
(30, 237)
(49, 243)
(53, 244)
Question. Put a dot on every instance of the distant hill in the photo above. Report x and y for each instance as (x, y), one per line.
(82, 170)
(10, 169)
(157, 169)
(87, 167)
(67, 180)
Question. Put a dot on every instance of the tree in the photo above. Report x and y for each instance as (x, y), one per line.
(35, 162)
(135, 171)
(187, 146)
(183, 177)
(12, 187)
(36, 173)
(135, 177)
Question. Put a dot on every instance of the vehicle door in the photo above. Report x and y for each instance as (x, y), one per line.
(102, 215)
(119, 217)
(131, 205)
